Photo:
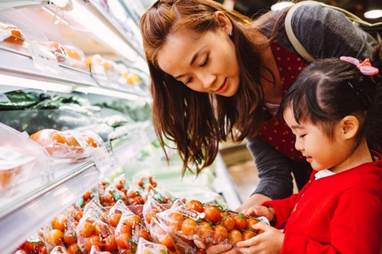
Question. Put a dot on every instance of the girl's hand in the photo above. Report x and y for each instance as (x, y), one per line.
(254, 200)
(260, 210)
(222, 249)
(268, 242)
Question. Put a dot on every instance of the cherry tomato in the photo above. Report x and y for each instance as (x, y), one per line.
(144, 234)
(205, 231)
(228, 222)
(195, 205)
(176, 220)
(213, 214)
(168, 241)
(220, 234)
(55, 237)
(240, 221)
(248, 234)
(87, 229)
(87, 195)
(251, 222)
(235, 236)
(188, 227)
(70, 238)
(74, 249)
(114, 219)
(59, 223)
(123, 240)
(77, 215)
(94, 240)
(110, 243)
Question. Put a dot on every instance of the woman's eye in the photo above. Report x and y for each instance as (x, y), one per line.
(205, 62)
(301, 136)
(188, 81)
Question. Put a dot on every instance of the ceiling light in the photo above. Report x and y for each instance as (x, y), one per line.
(373, 14)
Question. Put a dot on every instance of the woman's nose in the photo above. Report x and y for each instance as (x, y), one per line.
(207, 79)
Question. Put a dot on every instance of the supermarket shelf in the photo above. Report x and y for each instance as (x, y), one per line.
(35, 210)
(113, 25)
(24, 73)
(224, 184)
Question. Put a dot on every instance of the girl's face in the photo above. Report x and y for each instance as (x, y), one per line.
(314, 144)
(205, 62)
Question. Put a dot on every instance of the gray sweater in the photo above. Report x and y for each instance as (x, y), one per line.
(324, 33)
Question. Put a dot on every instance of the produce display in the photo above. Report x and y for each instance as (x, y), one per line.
(117, 217)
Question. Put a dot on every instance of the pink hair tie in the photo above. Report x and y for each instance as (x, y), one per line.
(365, 67)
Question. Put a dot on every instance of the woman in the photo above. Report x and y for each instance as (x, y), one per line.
(215, 74)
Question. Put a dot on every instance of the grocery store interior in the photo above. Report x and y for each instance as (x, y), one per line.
(78, 147)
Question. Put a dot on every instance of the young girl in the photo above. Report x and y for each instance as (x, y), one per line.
(334, 110)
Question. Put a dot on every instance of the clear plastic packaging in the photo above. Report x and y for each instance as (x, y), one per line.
(20, 163)
(147, 247)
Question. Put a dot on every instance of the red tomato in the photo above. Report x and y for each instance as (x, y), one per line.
(240, 221)
(55, 237)
(195, 205)
(176, 220)
(110, 243)
(114, 219)
(87, 229)
(59, 223)
(248, 234)
(123, 240)
(220, 234)
(235, 236)
(188, 227)
(168, 241)
(213, 214)
(70, 238)
(228, 222)
(251, 222)
(74, 249)
(205, 231)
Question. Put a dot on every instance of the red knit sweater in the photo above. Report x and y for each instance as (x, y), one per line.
(341, 213)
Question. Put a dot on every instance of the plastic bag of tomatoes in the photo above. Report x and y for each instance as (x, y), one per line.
(206, 224)
(156, 202)
(175, 244)
(92, 230)
(147, 247)
(128, 231)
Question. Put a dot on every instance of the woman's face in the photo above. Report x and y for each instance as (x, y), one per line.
(203, 62)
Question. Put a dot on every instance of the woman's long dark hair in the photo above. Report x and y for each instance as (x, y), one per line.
(197, 122)
(330, 89)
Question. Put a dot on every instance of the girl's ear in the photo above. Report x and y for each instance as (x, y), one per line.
(224, 22)
(349, 126)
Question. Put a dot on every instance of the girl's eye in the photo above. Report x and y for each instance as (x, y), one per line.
(205, 62)
(301, 136)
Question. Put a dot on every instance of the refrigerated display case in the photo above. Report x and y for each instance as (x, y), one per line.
(77, 66)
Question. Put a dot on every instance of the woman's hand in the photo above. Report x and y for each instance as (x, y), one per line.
(255, 199)
(269, 241)
(260, 210)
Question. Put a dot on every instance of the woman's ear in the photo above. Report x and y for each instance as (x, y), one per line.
(349, 126)
(224, 22)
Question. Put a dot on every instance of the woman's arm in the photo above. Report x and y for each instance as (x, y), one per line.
(274, 170)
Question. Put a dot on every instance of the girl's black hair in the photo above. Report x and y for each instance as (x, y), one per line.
(330, 89)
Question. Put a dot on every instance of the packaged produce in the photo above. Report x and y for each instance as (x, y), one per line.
(147, 247)
(10, 33)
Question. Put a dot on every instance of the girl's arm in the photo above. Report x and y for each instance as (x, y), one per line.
(356, 227)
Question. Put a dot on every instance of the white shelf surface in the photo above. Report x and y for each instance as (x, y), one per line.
(35, 209)
(24, 73)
